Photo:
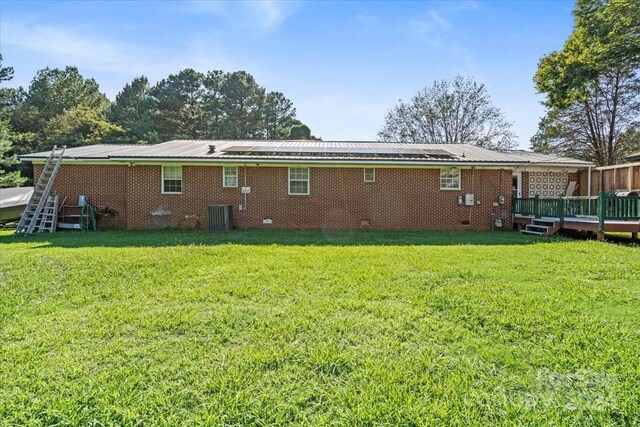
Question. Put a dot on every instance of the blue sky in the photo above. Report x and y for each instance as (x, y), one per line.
(343, 64)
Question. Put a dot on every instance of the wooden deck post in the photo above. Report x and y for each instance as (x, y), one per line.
(602, 212)
(536, 206)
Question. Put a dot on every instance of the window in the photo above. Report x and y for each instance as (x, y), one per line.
(299, 181)
(450, 179)
(369, 174)
(171, 179)
(230, 176)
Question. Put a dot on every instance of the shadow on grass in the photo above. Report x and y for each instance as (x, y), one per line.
(148, 238)
(623, 239)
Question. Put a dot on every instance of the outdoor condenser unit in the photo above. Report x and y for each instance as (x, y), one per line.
(219, 217)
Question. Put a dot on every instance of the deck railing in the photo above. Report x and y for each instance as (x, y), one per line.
(581, 206)
(603, 207)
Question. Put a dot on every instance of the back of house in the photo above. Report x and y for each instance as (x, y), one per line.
(308, 184)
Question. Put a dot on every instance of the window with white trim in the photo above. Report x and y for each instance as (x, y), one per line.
(171, 179)
(299, 181)
(450, 179)
(229, 176)
(369, 174)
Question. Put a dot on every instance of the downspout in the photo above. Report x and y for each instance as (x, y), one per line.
(473, 169)
(245, 184)
(589, 181)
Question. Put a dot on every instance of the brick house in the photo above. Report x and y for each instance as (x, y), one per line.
(308, 184)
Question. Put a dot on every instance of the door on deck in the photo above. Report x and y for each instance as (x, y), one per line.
(517, 184)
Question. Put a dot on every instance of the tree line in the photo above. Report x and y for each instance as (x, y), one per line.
(61, 107)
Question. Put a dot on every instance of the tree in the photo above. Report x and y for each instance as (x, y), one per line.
(6, 73)
(279, 116)
(8, 161)
(299, 132)
(62, 107)
(602, 127)
(7, 95)
(591, 85)
(449, 112)
(236, 107)
(55, 96)
(192, 105)
(10, 175)
(79, 126)
(215, 116)
(242, 103)
(134, 111)
(53, 91)
(179, 106)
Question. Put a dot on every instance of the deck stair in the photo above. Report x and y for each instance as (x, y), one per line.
(541, 227)
(40, 209)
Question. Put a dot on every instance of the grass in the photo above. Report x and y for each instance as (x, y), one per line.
(317, 328)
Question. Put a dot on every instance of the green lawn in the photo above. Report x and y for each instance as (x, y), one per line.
(318, 328)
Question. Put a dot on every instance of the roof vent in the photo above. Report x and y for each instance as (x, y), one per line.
(212, 148)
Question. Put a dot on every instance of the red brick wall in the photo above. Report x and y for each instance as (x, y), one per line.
(339, 197)
(525, 184)
(105, 186)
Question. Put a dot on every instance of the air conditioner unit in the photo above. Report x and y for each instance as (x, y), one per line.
(219, 218)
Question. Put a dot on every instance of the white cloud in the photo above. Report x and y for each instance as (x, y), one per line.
(263, 16)
(121, 60)
(72, 47)
(432, 29)
(437, 23)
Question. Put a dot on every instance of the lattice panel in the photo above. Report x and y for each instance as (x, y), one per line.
(548, 184)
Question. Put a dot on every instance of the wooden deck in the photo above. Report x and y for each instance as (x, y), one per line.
(579, 224)
(601, 214)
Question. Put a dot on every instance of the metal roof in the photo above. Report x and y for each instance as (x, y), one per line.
(530, 156)
(633, 157)
(311, 151)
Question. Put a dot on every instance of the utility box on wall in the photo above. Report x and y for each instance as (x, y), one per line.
(469, 199)
(219, 218)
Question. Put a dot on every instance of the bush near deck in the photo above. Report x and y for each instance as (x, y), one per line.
(317, 328)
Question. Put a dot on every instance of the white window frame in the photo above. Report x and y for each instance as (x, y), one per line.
(443, 173)
(308, 181)
(162, 179)
(224, 176)
(365, 174)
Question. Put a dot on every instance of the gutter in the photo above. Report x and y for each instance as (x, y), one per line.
(282, 161)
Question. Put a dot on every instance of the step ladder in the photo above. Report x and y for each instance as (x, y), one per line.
(33, 213)
(49, 217)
